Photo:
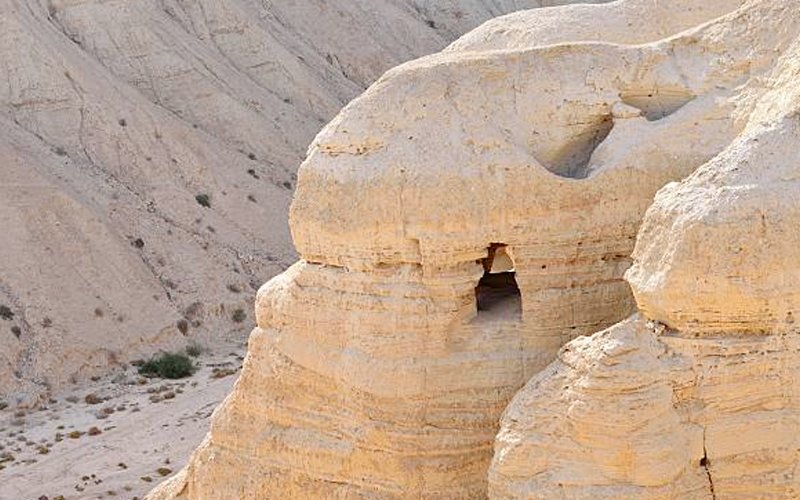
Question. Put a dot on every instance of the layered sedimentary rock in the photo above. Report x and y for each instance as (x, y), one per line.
(695, 397)
(116, 115)
(458, 223)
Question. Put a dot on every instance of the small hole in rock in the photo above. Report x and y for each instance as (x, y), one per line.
(497, 292)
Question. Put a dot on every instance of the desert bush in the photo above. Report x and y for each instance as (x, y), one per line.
(239, 316)
(195, 350)
(168, 365)
(204, 200)
(6, 313)
(93, 399)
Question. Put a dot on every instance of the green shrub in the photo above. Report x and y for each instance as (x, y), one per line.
(239, 316)
(204, 200)
(168, 365)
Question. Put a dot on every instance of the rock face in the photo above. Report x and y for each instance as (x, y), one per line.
(116, 115)
(457, 224)
(696, 396)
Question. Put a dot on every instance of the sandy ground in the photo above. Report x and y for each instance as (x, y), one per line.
(147, 430)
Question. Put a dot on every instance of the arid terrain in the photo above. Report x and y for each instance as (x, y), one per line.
(380, 250)
(112, 438)
(556, 260)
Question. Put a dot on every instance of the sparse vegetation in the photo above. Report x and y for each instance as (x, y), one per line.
(239, 316)
(194, 313)
(168, 365)
(222, 372)
(6, 313)
(163, 471)
(183, 326)
(204, 200)
(93, 399)
(195, 350)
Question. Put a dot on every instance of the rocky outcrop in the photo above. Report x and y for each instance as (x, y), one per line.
(118, 118)
(695, 397)
(627, 22)
(457, 224)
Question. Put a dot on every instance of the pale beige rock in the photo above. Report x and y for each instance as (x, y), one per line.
(637, 412)
(733, 240)
(695, 397)
(623, 21)
(115, 114)
(374, 372)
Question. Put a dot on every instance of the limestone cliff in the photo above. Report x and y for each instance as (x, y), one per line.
(696, 396)
(457, 224)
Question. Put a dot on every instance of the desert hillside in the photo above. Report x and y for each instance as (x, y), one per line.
(149, 153)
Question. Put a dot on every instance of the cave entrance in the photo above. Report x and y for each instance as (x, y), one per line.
(497, 293)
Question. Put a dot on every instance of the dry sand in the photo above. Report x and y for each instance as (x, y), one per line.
(148, 428)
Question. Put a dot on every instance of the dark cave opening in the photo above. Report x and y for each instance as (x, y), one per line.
(497, 291)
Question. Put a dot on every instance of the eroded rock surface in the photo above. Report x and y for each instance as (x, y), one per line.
(696, 396)
(457, 224)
